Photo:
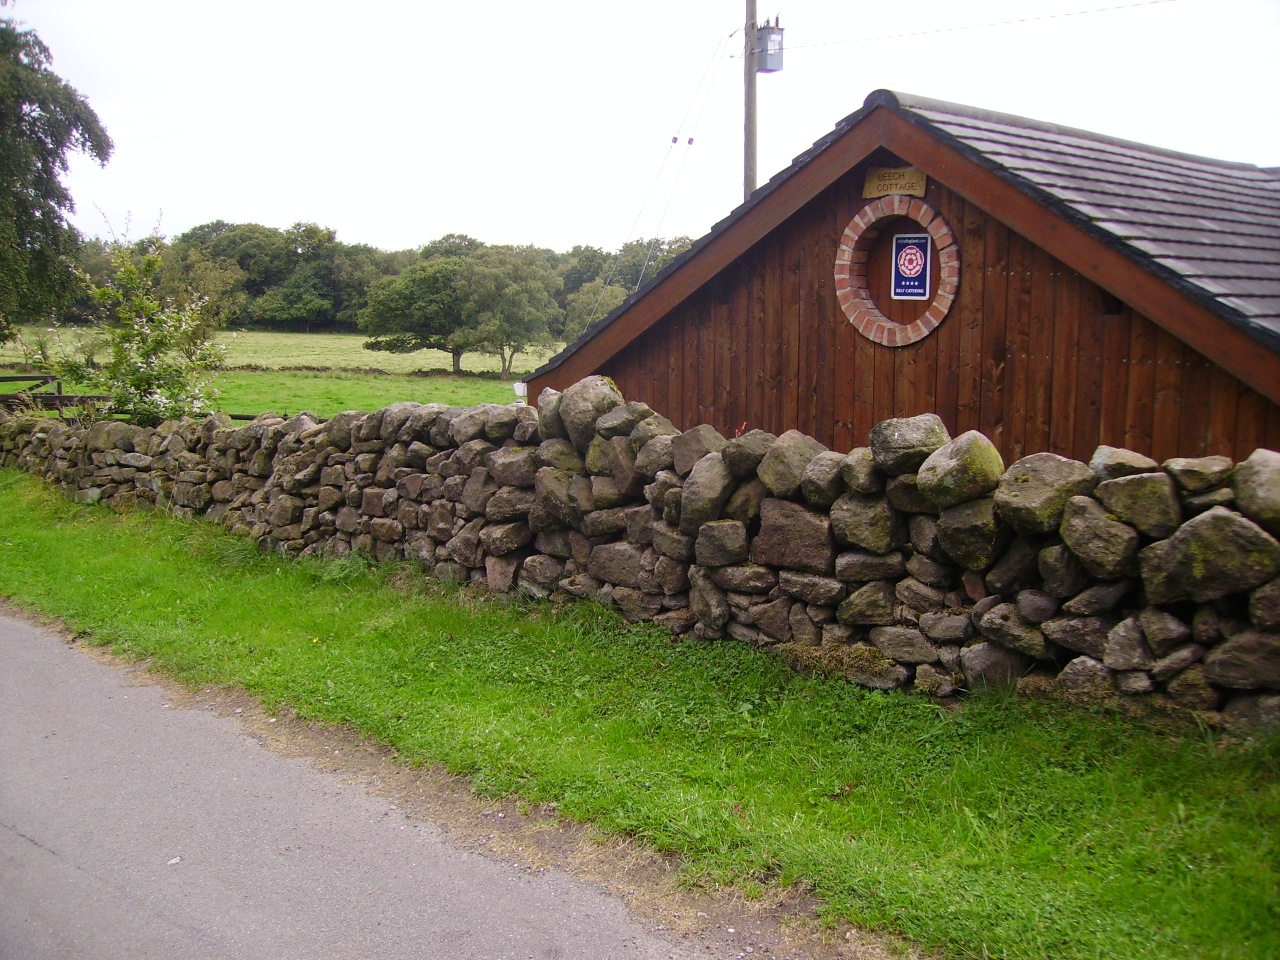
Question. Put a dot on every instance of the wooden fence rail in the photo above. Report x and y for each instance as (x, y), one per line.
(57, 400)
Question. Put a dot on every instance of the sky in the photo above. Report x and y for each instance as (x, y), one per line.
(395, 122)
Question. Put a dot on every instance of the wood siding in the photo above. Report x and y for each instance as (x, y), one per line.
(1032, 354)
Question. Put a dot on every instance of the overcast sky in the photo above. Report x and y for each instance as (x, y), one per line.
(397, 121)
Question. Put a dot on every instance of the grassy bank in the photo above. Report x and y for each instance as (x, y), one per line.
(1005, 829)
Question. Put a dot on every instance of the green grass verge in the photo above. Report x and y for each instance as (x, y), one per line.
(1006, 829)
(324, 394)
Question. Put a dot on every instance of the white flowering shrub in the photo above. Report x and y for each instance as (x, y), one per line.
(155, 359)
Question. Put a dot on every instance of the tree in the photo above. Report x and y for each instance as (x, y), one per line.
(508, 301)
(589, 305)
(450, 246)
(420, 309)
(640, 260)
(161, 357)
(42, 120)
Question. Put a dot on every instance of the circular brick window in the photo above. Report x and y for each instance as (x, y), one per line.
(854, 253)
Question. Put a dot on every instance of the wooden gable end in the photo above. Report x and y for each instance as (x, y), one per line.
(748, 332)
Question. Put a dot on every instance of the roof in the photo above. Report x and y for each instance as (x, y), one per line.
(1208, 231)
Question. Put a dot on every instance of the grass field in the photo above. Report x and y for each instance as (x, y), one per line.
(1010, 829)
(328, 373)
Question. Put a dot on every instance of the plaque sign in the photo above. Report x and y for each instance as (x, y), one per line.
(910, 266)
(887, 181)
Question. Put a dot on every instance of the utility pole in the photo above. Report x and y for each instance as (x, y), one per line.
(749, 107)
(762, 53)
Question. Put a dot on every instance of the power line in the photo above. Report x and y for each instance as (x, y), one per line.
(978, 26)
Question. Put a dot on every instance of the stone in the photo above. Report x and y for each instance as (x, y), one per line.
(1087, 635)
(744, 633)
(1264, 606)
(1126, 649)
(560, 454)
(774, 618)
(1257, 489)
(1250, 660)
(1085, 681)
(940, 575)
(500, 539)
(479, 488)
(946, 628)
(500, 572)
(1062, 575)
(692, 445)
(542, 569)
(867, 666)
(923, 532)
(1134, 682)
(744, 578)
(1191, 689)
(619, 563)
(1220, 552)
(604, 523)
(1158, 568)
(654, 456)
(651, 428)
(962, 469)
(1196, 503)
(868, 522)
(1107, 548)
(1199, 474)
(671, 576)
(596, 459)
(822, 483)
(706, 491)
(1252, 711)
(1036, 606)
(621, 420)
(988, 666)
(1109, 463)
(468, 425)
(622, 467)
(811, 588)
(636, 605)
(904, 644)
(918, 596)
(971, 533)
(555, 494)
(803, 629)
(502, 423)
(933, 682)
(870, 605)
(513, 466)
(742, 455)
(606, 495)
(1100, 598)
(836, 634)
(583, 404)
(465, 547)
(904, 494)
(1003, 624)
(707, 601)
(1034, 491)
(582, 585)
(860, 473)
(902, 444)
(782, 468)
(663, 483)
(677, 621)
(1162, 630)
(670, 542)
(1018, 567)
(1148, 502)
(720, 543)
(794, 537)
(1177, 661)
(744, 502)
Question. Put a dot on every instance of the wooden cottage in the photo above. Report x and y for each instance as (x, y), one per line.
(1053, 288)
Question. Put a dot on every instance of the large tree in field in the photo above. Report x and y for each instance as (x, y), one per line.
(508, 301)
(418, 309)
(42, 120)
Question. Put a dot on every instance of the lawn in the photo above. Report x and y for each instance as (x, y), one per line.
(327, 373)
(1011, 829)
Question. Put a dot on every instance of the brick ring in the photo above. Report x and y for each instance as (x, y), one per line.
(851, 271)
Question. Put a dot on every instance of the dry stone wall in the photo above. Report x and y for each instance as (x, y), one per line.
(917, 561)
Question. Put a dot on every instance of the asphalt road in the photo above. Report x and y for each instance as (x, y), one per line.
(130, 829)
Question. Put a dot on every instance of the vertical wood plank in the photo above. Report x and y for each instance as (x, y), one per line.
(1224, 398)
(1017, 346)
(1088, 372)
(1164, 435)
(1066, 334)
(968, 313)
(1115, 376)
(789, 333)
(1040, 349)
(995, 284)
(1139, 403)
(1193, 426)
